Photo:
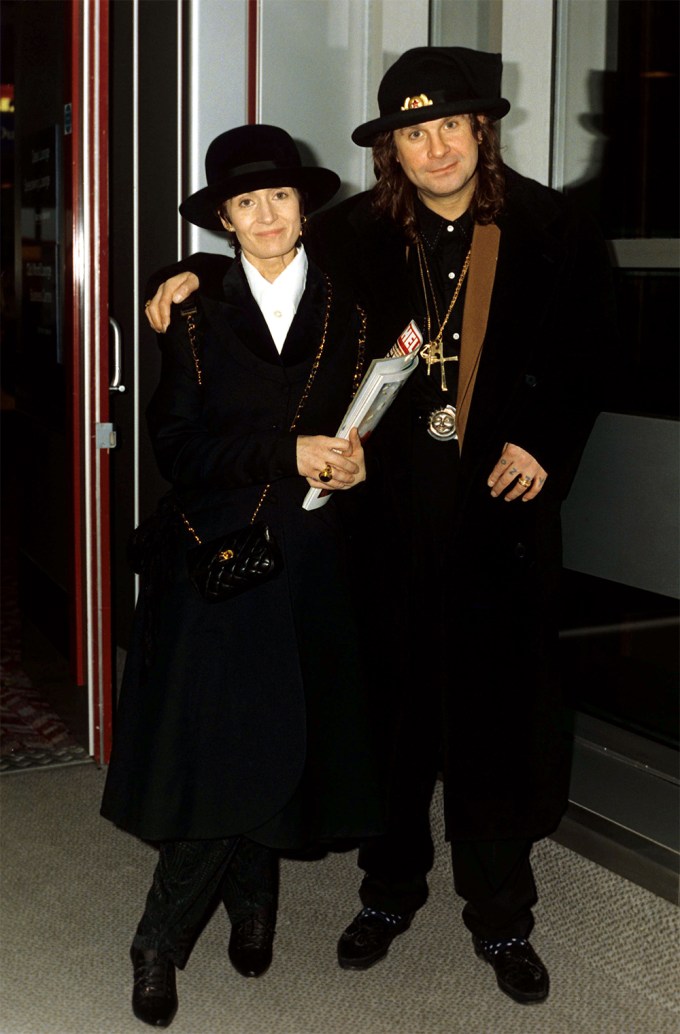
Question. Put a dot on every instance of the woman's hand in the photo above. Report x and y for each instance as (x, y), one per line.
(519, 466)
(344, 459)
(177, 289)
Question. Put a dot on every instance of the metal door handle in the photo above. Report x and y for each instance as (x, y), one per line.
(115, 384)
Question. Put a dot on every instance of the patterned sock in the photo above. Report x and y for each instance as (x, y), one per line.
(388, 917)
(494, 947)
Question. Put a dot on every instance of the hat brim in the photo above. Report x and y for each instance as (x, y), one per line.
(366, 134)
(318, 185)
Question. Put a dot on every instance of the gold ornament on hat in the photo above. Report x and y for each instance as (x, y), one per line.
(421, 101)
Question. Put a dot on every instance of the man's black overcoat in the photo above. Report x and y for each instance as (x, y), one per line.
(247, 716)
(506, 741)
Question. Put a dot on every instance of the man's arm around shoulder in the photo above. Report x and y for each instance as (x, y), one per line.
(173, 285)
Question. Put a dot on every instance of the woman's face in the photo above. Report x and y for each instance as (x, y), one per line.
(267, 224)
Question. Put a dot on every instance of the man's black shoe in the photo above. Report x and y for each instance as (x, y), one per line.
(368, 937)
(250, 944)
(154, 993)
(519, 971)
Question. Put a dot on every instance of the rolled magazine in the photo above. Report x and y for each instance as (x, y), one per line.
(380, 386)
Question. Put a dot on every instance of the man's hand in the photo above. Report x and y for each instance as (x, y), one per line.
(177, 289)
(342, 458)
(516, 465)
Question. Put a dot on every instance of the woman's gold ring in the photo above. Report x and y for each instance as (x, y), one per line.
(326, 474)
(524, 481)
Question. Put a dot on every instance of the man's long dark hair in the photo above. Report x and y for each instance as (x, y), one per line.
(394, 195)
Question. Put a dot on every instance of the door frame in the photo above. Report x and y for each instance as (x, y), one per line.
(86, 161)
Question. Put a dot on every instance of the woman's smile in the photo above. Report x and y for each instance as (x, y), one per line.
(267, 224)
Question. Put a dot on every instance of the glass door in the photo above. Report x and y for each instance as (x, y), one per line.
(617, 94)
(56, 436)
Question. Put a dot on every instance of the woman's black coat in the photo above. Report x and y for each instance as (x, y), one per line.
(247, 716)
(506, 737)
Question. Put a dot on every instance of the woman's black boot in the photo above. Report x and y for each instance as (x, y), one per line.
(154, 993)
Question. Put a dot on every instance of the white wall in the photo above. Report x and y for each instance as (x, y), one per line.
(215, 92)
(583, 41)
(462, 23)
(521, 30)
(323, 61)
(527, 60)
(320, 63)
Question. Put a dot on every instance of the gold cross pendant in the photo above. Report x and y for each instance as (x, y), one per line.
(432, 353)
(446, 359)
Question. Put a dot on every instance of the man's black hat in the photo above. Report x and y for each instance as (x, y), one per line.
(428, 83)
(251, 158)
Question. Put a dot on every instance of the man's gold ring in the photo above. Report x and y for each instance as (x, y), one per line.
(524, 481)
(326, 474)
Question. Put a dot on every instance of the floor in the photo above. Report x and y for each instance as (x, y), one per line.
(73, 888)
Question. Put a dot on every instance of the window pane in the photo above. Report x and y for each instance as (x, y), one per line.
(615, 150)
(645, 378)
(619, 110)
(619, 650)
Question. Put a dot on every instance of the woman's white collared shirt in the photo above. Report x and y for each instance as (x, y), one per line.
(278, 302)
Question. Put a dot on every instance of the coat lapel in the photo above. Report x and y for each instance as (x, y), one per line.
(241, 314)
(300, 343)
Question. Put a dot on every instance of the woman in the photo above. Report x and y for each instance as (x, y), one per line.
(242, 728)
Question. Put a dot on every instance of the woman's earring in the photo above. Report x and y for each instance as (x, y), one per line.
(303, 223)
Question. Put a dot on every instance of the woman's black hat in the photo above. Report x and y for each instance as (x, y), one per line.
(251, 158)
(428, 83)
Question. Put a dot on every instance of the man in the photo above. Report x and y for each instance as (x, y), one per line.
(512, 290)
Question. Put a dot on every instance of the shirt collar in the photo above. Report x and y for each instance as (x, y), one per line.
(290, 283)
(433, 226)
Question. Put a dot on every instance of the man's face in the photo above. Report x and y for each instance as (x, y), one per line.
(440, 159)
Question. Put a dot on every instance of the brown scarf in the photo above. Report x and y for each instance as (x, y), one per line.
(485, 243)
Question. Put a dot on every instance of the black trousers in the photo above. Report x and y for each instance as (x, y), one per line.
(494, 877)
(191, 876)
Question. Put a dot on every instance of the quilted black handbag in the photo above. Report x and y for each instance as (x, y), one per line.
(240, 560)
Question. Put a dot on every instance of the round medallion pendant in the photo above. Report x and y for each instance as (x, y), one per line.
(441, 424)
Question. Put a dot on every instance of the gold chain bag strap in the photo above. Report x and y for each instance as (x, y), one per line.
(240, 560)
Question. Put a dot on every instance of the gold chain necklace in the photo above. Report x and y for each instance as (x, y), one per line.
(433, 350)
